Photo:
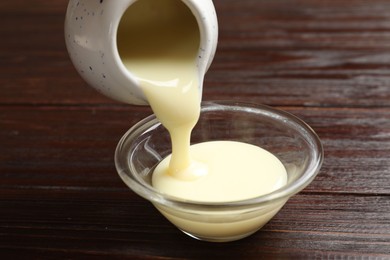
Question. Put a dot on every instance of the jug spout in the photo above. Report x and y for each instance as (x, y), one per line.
(91, 36)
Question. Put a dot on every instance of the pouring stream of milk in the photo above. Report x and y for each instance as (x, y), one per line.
(163, 58)
(158, 42)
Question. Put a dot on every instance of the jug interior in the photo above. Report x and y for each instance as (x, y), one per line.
(156, 35)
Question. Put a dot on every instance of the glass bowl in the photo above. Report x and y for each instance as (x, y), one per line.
(292, 141)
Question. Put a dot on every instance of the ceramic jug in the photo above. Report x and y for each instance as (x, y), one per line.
(91, 28)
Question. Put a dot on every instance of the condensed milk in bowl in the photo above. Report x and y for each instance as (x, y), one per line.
(234, 204)
(218, 171)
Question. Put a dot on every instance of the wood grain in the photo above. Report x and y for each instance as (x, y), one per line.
(325, 61)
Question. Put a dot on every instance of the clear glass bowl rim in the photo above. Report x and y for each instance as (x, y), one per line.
(154, 196)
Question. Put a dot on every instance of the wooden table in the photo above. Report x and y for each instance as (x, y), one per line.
(326, 61)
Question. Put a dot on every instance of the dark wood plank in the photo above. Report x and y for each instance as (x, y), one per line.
(311, 53)
(309, 226)
(35, 67)
(74, 146)
(356, 145)
(63, 147)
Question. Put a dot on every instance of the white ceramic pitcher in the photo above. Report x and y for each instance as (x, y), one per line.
(91, 38)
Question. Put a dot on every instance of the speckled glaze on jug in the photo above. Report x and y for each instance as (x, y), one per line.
(91, 39)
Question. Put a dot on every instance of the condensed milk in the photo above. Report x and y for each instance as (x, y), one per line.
(163, 59)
